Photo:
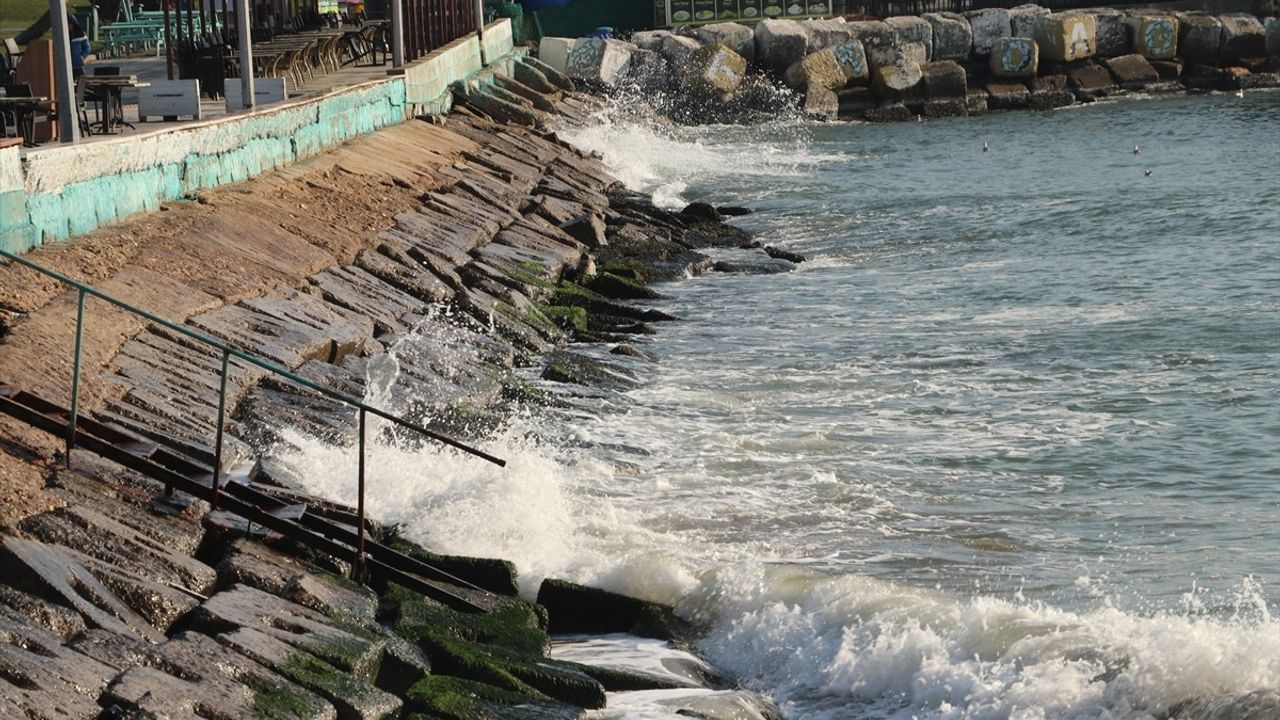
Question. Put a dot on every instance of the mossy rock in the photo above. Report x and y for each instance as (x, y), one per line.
(567, 317)
(575, 608)
(275, 700)
(618, 287)
(450, 698)
(524, 673)
(572, 295)
(516, 625)
(498, 576)
(569, 367)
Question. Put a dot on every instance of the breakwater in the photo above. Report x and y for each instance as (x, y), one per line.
(487, 253)
(934, 65)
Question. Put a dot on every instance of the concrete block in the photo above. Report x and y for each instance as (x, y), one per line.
(893, 78)
(677, 49)
(1067, 37)
(944, 80)
(1113, 33)
(1155, 36)
(1243, 36)
(820, 69)
(1131, 72)
(735, 36)
(910, 29)
(1273, 36)
(952, 36)
(13, 208)
(1091, 82)
(716, 67)
(1015, 57)
(873, 34)
(1199, 38)
(852, 58)
(650, 39)
(1007, 96)
(821, 102)
(599, 61)
(854, 101)
(1024, 19)
(555, 51)
(988, 26)
(827, 33)
(11, 175)
(780, 44)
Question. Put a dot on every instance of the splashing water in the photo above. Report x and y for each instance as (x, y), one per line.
(997, 452)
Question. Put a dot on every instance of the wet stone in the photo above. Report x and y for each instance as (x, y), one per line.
(40, 678)
(193, 675)
(360, 292)
(570, 367)
(353, 698)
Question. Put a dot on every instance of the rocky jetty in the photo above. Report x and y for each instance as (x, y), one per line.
(993, 59)
(128, 601)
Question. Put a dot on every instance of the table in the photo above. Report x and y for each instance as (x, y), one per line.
(111, 86)
(24, 109)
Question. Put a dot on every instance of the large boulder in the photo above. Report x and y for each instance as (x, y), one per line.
(715, 67)
(852, 58)
(1091, 82)
(1113, 33)
(1067, 37)
(944, 80)
(1132, 72)
(1015, 57)
(1242, 37)
(677, 49)
(988, 26)
(952, 36)
(819, 69)
(911, 29)
(827, 33)
(554, 51)
(780, 43)
(1155, 36)
(1024, 19)
(876, 57)
(1007, 95)
(821, 102)
(650, 39)
(735, 36)
(597, 61)
(898, 75)
(873, 34)
(1273, 36)
(1199, 38)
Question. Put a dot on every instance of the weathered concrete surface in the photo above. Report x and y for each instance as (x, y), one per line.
(911, 29)
(1155, 36)
(820, 101)
(737, 37)
(1131, 72)
(1067, 37)
(555, 51)
(988, 26)
(715, 67)
(1008, 96)
(1024, 19)
(1015, 57)
(898, 74)
(1243, 36)
(1112, 32)
(827, 33)
(780, 44)
(1091, 82)
(821, 69)
(944, 80)
(1199, 38)
(42, 679)
(604, 62)
(952, 36)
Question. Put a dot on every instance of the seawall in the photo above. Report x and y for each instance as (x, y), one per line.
(64, 191)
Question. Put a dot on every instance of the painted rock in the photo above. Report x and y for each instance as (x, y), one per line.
(1155, 37)
(852, 58)
(1067, 37)
(780, 43)
(554, 51)
(599, 61)
(952, 36)
(1015, 57)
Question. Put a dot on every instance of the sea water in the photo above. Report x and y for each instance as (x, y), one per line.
(1006, 446)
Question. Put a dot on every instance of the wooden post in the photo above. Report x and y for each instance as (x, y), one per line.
(64, 84)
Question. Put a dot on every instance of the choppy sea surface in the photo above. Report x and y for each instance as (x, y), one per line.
(1006, 446)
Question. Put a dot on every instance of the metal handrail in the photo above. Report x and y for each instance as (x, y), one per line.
(227, 353)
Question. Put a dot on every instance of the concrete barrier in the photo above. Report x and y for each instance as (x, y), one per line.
(1024, 19)
(1067, 37)
(988, 26)
(1155, 37)
(1114, 36)
(952, 36)
(908, 29)
(1199, 38)
(1015, 57)
(780, 44)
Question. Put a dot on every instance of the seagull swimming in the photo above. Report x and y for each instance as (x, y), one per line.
(1147, 173)
(1240, 93)
(985, 147)
(1136, 150)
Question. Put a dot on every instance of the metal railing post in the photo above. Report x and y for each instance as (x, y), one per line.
(75, 375)
(358, 568)
(397, 33)
(484, 57)
(217, 443)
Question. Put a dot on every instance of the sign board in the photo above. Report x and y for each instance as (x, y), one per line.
(701, 12)
(169, 99)
(265, 92)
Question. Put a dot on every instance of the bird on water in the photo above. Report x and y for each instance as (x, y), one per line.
(1137, 150)
(985, 146)
(1147, 173)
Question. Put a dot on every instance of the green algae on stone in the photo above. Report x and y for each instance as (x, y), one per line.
(516, 625)
(279, 701)
(497, 576)
(450, 698)
(526, 673)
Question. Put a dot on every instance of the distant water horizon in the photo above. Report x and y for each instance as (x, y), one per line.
(1006, 446)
